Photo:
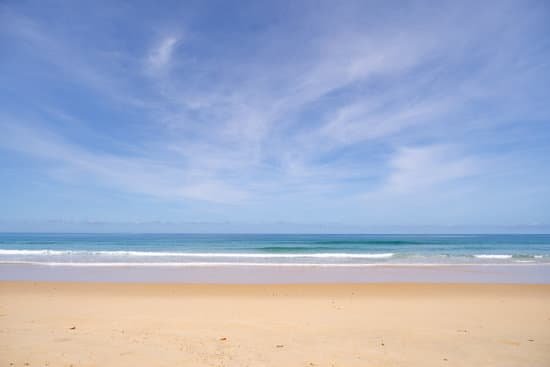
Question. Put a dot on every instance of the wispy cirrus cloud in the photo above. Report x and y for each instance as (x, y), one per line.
(160, 56)
(413, 169)
(137, 174)
(340, 103)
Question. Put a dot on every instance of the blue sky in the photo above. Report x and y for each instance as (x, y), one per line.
(357, 113)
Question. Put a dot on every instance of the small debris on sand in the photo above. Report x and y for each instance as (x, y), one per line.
(531, 340)
(445, 359)
(223, 339)
(73, 328)
(279, 345)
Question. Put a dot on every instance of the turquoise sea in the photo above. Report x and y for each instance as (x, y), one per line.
(269, 249)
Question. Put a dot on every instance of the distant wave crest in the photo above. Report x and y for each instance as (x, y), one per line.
(273, 255)
(493, 256)
(46, 252)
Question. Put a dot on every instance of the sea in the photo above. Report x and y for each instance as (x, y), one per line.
(323, 250)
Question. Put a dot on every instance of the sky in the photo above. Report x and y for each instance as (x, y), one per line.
(274, 115)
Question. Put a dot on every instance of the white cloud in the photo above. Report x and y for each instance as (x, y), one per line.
(245, 118)
(360, 122)
(161, 55)
(129, 173)
(422, 167)
(72, 61)
(212, 191)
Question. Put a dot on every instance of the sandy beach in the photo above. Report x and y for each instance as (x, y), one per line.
(116, 324)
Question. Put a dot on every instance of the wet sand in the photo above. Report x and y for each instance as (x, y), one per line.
(114, 324)
(278, 274)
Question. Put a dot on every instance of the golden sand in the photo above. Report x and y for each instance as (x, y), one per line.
(90, 324)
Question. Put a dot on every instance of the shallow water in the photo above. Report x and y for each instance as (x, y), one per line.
(277, 249)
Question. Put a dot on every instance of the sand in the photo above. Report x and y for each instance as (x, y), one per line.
(109, 324)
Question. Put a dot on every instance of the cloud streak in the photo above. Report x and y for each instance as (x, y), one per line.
(161, 55)
(419, 168)
(135, 174)
(337, 105)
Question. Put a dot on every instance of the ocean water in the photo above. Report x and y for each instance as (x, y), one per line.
(271, 249)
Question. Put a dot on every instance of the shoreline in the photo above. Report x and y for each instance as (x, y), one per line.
(279, 274)
(252, 264)
(389, 324)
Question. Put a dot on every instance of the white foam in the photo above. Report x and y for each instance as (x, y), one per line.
(197, 254)
(493, 256)
(182, 264)
(33, 252)
(253, 264)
